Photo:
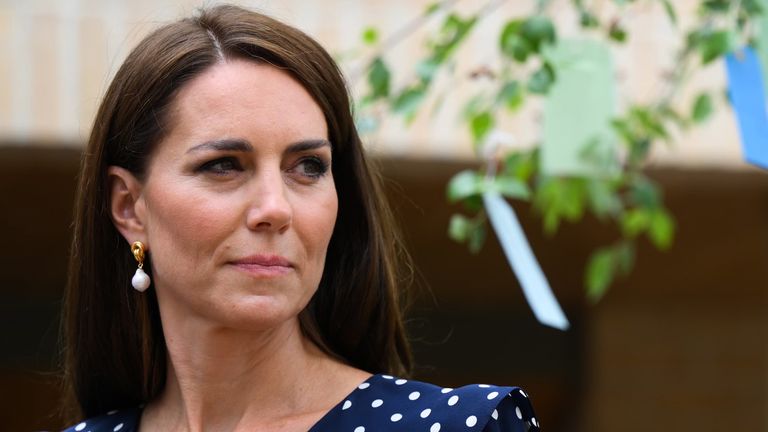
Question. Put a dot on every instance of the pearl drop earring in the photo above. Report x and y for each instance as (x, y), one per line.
(140, 280)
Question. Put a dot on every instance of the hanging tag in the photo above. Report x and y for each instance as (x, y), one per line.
(747, 94)
(520, 256)
(577, 136)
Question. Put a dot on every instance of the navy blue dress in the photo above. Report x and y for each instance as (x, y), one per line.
(386, 403)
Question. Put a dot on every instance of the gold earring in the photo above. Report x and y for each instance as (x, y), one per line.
(140, 280)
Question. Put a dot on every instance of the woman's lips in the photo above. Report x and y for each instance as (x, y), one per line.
(264, 265)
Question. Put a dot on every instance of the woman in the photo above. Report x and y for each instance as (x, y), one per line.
(234, 265)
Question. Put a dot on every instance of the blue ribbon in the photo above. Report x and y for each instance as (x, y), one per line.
(747, 94)
(520, 256)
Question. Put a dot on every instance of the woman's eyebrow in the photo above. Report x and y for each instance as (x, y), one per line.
(304, 145)
(241, 145)
(227, 144)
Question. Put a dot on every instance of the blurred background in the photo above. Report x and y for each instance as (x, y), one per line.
(682, 344)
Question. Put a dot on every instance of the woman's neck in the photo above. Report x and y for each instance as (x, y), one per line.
(227, 380)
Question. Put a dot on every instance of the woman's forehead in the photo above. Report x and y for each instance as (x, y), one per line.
(246, 96)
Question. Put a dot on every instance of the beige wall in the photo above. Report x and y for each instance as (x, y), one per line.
(56, 57)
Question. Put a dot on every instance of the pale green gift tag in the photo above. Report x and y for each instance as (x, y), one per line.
(578, 138)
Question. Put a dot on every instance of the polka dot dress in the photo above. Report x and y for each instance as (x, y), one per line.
(386, 403)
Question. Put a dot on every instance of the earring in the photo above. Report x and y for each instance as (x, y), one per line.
(140, 280)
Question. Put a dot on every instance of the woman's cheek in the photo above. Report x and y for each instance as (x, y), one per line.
(189, 224)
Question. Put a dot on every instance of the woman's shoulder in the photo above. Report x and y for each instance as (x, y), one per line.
(126, 420)
(388, 403)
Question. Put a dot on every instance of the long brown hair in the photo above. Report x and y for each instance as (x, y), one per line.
(114, 350)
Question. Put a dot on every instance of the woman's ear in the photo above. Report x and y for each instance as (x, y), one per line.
(126, 204)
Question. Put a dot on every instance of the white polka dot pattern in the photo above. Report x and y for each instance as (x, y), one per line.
(387, 403)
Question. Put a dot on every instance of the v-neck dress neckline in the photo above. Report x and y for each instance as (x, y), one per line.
(383, 403)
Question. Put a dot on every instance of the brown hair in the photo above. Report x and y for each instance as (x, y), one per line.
(114, 350)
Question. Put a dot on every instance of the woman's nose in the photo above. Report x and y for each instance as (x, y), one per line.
(270, 209)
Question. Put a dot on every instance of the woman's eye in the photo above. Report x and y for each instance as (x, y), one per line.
(221, 166)
(313, 167)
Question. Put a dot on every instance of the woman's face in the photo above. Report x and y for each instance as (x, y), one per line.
(239, 202)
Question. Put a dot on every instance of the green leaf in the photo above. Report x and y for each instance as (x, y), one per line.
(378, 79)
(481, 124)
(408, 101)
(538, 31)
(463, 185)
(670, 10)
(638, 150)
(662, 229)
(600, 273)
(716, 44)
(754, 8)
(694, 38)
(511, 187)
(644, 193)
(473, 203)
(453, 31)
(670, 114)
(432, 8)
(551, 221)
(623, 129)
(715, 5)
(512, 95)
(370, 36)
(634, 222)
(702, 108)
(647, 120)
(617, 33)
(588, 20)
(603, 199)
(573, 199)
(426, 69)
(542, 79)
(519, 165)
(625, 257)
(476, 238)
(470, 231)
(512, 44)
(459, 228)
(560, 198)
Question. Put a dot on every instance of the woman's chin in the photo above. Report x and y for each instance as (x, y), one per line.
(254, 313)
